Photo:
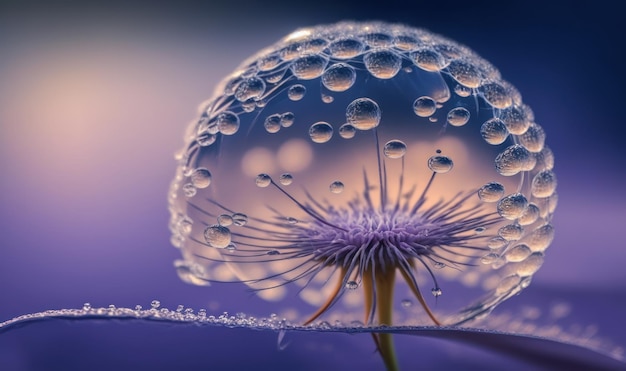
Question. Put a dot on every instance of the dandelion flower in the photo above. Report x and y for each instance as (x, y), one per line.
(349, 169)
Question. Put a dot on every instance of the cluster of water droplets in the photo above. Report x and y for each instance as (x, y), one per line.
(332, 115)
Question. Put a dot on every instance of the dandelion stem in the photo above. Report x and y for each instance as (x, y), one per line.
(331, 298)
(385, 282)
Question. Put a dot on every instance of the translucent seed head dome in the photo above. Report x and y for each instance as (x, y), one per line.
(358, 162)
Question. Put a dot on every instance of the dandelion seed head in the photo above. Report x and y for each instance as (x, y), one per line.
(345, 152)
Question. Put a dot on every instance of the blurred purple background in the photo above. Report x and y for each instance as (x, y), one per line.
(93, 103)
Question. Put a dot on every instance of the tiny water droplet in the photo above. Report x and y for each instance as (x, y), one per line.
(240, 219)
(347, 131)
(424, 106)
(286, 179)
(273, 252)
(263, 180)
(336, 187)
(155, 304)
(352, 285)
(225, 220)
(458, 116)
(436, 292)
(406, 303)
(296, 92)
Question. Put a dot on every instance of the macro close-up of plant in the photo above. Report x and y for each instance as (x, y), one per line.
(361, 191)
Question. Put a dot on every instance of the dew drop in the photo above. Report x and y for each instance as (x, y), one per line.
(272, 123)
(436, 292)
(87, 306)
(327, 98)
(462, 91)
(544, 184)
(491, 192)
(352, 285)
(339, 77)
(286, 119)
(439, 265)
(225, 220)
(155, 304)
(189, 190)
(465, 73)
(534, 138)
(406, 303)
(263, 180)
(363, 114)
(517, 253)
(405, 42)
(320, 132)
(540, 238)
(200, 178)
(514, 159)
(378, 40)
(217, 236)
(231, 247)
(494, 131)
(507, 284)
(394, 149)
(515, 119)
(273, 252)
(296, 92)
(497, 243)
(309, 67)
(206, 139)
(496, 95)
(511, 232)
(227, 123)
(347, 131)
(382, 64)
(336, 187)
(346, 48)
(530, 265)
(530, 215)
(251, 88)
(268, 62)
(489, 258)
(512, 206)
(458, 116)
(424, 106)
(292, 220)
(440, 164)
(286, 179)
(240, 219)
(428, 60)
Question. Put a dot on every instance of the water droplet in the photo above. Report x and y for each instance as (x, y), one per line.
(514, 159)
(494, 131)
(240, 219)
(436, 292)
(286, 119)
(347, 131)
(465, 73)
(292, 220)
(346, 48)
(516, 120)
(327, 98)
(227, 123)
(530, 215)
(406, 303)
(363, 114)
(263, 180)
(231, 247)
(309, 67)
(480, 230)
(87, 306)
(383, 64)
(378, 40)
(517, 253)
(205, 139)
(491, 192)
(544, 184)
(225, 220)
(286, 179)
(296, 92)
(273, 252)
(339, 77)
(512, 206)
(405, 42)
(439, 265)
(489, 258)
(251, 88)
(440, 164)
(534, 138)
(530, 265)
(424, 106)
(217, 236)
(320, 132)
(272, 123)
(507, 284)
(352, 285)
(268, 62)
(540, 238)
(458, 116)
(189, 190)
(429, 60)
(462, 91)
(394, 149)
(155, 304)
(200, 178)
(336, 187)
(496, 95)
(497, 243)
(511, 232)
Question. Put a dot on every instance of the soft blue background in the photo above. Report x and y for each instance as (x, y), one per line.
(93, 103)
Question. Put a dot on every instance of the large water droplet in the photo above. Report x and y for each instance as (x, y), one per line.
(272, 123)
(217, 236)
(517, 253)
(346, 48)
(394, 149)
(496, 95)
(263, 180)
(512, 206)
(296, 92)
(200, 178)
(309, 67)
(320, 132)
(347, 131)
(251, 88)
(491, 192)
(339, 77)
(424, 106)
(544, 184)
(465, 73)
(494, 131)
(458, 116)
(286, 179)
(429, 60)
(514, 159)
(383, 64)
(511, 232)
(440, 164)
(363, 114)
(227, 123)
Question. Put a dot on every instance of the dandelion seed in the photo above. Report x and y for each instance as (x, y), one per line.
(436, 167)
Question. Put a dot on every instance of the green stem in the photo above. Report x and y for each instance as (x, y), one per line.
(385, 282)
